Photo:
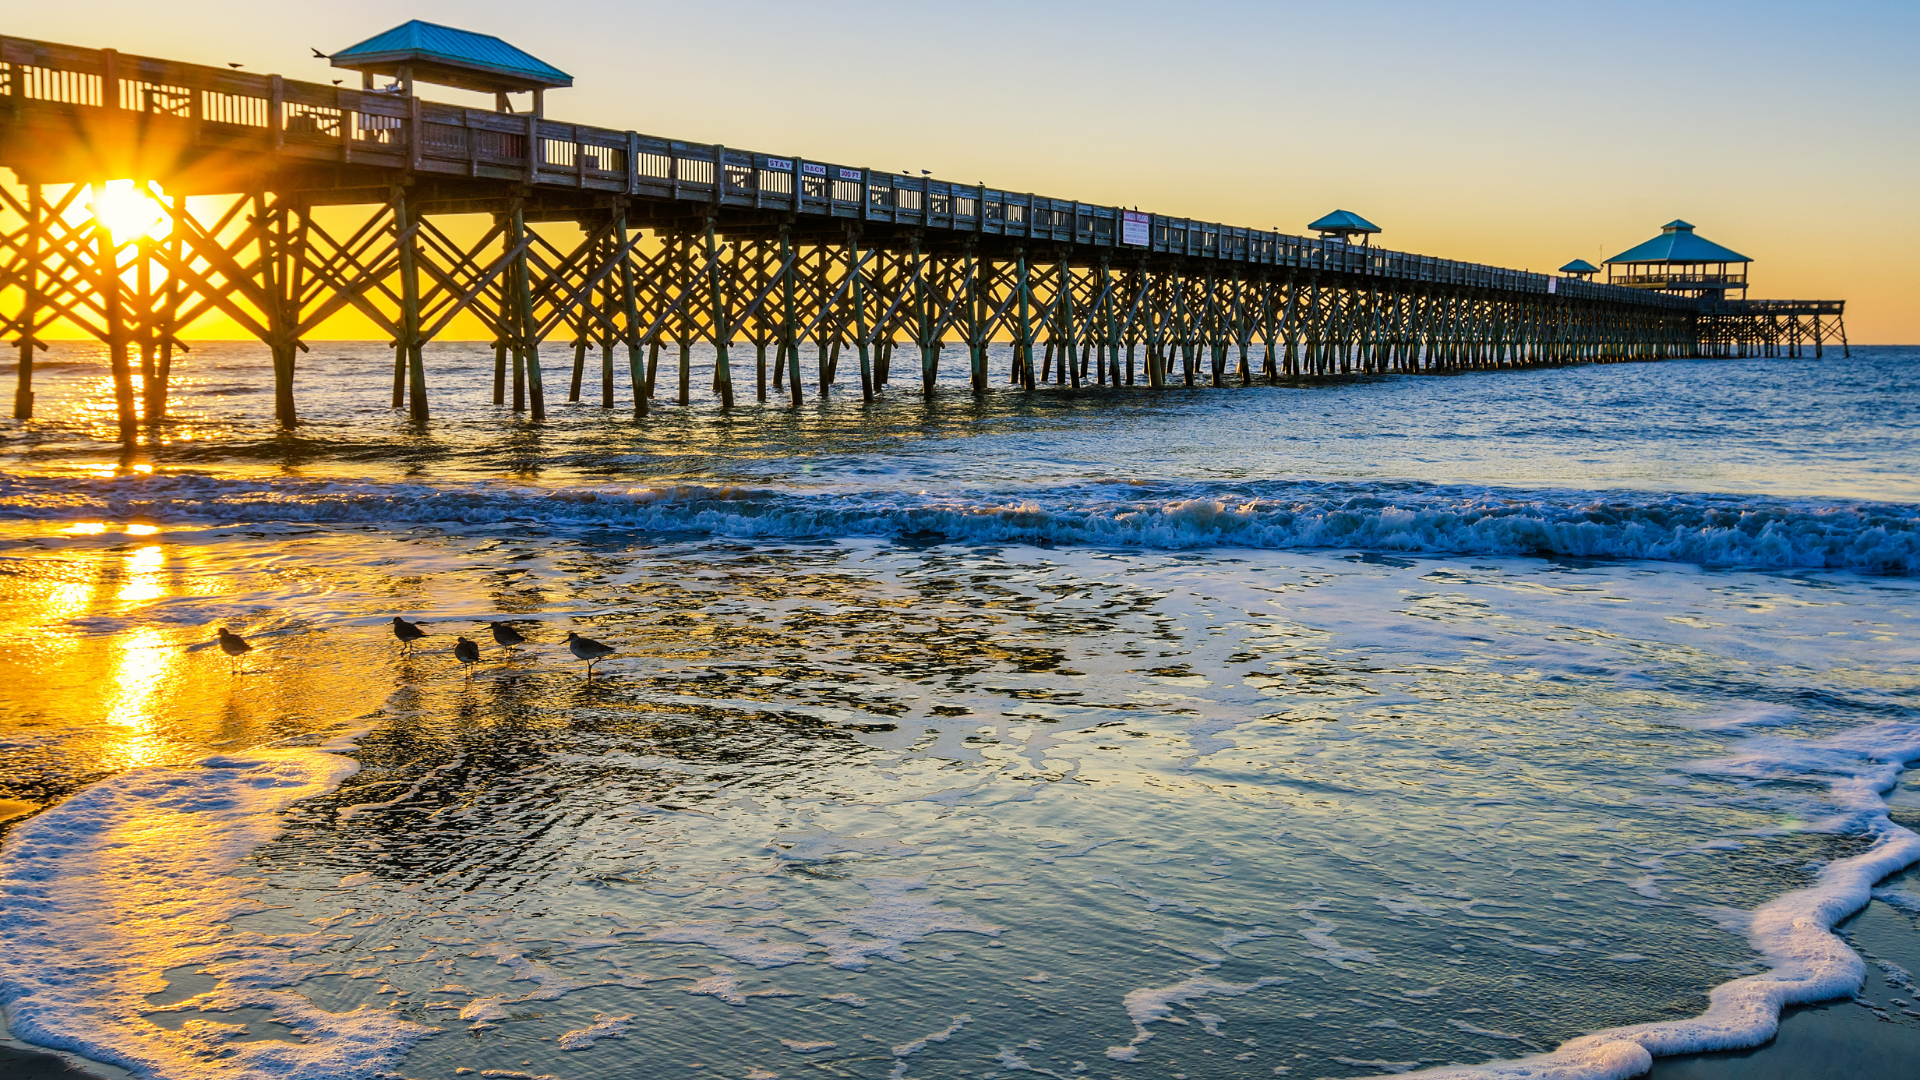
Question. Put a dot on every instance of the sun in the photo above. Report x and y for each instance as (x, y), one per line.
(130, 213)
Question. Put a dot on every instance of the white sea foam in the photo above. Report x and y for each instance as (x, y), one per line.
(1794, 932)
(725, 985)
(896, 915)
(1908, 902)
(1328, 947)
(134, 877)
(1155, 1003)
(553, 985)
(603, 1027)
(748, 948)
(906, 1050)
(1709, 529)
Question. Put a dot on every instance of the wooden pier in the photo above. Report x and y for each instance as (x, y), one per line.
(768, 259)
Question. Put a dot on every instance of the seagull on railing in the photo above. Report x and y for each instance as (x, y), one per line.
(233, 645)
(587, 649)
(407, 632)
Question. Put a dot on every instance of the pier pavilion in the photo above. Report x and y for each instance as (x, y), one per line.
(1681, 262)
(429, 53)
(668, 243)
(1344, 225)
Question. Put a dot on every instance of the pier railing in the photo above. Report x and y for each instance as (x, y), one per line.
(328, 198)
(233, 111)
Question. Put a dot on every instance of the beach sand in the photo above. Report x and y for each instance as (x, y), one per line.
(1865, 1036)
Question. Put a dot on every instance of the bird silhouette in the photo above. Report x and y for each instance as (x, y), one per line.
(318, 55)
(587, 649)
(233, 645)
(337, 82)
(407, 632)
(505, 635)
(467, 653)
(234, 65)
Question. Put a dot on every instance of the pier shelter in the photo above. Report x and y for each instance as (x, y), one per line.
(1580, 268)
(1344, 225)
(426, 52)
(1682, 262)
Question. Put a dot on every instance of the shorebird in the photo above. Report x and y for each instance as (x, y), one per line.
(587, 649)
(467, 653)
(233, 645)
(505, 635)
(407, 632)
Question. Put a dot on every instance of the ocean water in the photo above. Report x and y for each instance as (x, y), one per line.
(1336, 730)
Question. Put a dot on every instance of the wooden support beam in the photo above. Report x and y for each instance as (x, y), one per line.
(409, 344)
(33, 233)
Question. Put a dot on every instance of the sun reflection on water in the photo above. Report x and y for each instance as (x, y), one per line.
(143, 663)
(143, 574)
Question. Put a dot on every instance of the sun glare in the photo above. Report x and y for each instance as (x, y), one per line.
(129, 212)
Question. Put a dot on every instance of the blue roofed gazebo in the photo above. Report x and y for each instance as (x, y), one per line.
(427, 52)
(1683, 262)
(1344, 225)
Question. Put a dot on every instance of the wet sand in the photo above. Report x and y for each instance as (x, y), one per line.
(1866, 1036)
(1839, 1039)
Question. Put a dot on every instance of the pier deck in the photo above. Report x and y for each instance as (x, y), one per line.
(690, 242)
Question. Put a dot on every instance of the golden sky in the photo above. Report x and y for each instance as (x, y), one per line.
(1521, 135)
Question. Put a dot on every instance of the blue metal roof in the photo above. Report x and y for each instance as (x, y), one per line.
(1344, 221)
(1677, 243)
(1579, 266)
(433, 43)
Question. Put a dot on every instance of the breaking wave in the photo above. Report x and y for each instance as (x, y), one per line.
(1744, 531)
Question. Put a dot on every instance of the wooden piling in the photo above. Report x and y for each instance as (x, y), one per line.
(722, 331)
(33, 232)
(112, 294)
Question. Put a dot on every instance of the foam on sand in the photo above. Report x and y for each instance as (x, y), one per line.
(1807, 962)
(134, 877)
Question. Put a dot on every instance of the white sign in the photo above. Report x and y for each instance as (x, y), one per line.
(1133, 228)
(779, 164)
(811, 169)
(849, 174)
(1553, 285)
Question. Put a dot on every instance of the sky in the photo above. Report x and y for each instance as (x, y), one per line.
(1522, 135)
